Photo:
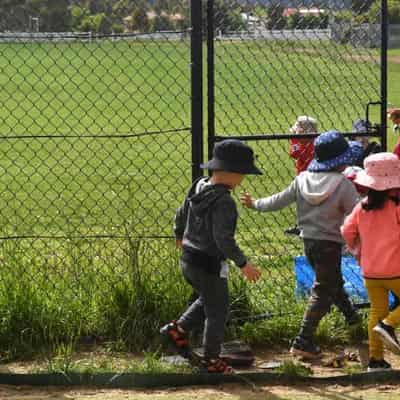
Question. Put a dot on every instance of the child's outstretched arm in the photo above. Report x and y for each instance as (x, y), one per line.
(271, 203)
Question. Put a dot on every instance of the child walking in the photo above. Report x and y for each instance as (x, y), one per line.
(369, 147)
(205, 229)
(372, 230)
(323, 197)
(302, 150)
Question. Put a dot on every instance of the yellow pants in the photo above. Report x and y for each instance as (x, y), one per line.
(378, 293)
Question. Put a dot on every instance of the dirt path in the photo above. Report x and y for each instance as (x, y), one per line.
(226, 392)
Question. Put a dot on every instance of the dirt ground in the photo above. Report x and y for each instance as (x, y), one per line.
(323, 367)
(225, 392)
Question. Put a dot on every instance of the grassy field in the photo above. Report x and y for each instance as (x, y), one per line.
(123, 287)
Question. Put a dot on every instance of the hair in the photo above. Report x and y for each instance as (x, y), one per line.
(376, 199)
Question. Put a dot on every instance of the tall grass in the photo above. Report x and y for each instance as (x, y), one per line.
(117, 290)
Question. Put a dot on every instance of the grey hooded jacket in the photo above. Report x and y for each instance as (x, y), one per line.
(206, 223)
(322, 199)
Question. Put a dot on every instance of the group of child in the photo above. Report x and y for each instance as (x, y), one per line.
(205, 227)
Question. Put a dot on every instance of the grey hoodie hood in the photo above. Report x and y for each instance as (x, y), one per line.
(205, 195)
(316, 187)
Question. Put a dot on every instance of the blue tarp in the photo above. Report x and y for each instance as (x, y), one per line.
(353, 281)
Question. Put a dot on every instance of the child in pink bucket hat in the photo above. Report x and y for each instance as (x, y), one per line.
(373, 231)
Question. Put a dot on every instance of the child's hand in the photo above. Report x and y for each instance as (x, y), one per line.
(178, 243)
(247, 200)
(251, 273)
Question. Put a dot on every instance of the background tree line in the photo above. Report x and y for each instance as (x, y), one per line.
(106, 16)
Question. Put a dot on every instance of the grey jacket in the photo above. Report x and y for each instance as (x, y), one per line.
(206, 222)
(322, 199)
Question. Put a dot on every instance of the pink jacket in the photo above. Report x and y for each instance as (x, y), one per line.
(376, 234)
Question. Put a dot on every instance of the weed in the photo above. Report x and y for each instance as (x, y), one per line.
(291, 368)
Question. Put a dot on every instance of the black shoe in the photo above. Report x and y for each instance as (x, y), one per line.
(388, 336)
(378, 365)
(293, 231)
(305, 348)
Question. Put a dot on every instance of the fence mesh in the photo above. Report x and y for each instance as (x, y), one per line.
(96, 154)
(96, 157)
(273, 62)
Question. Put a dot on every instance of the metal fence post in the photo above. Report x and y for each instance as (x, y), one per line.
(384, 67)
(196, 86)
(210, 77)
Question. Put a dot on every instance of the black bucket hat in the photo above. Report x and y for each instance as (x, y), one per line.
(233, 156)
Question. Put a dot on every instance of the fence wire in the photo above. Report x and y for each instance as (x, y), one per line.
(95, 143)
(268, 64)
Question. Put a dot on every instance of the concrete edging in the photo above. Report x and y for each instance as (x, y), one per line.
(136, 380)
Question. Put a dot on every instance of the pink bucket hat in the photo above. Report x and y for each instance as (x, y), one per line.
(381, 172)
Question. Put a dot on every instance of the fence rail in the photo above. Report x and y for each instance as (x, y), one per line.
(27, 37)
(286, 34)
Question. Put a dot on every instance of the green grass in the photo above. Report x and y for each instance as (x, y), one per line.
(55, 290)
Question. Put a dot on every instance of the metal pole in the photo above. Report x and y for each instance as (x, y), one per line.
(196, 86)
(210, 76)
(384, 72)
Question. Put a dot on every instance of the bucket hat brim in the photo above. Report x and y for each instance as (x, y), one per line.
(379, 183)
(215, 164)
(349, 157)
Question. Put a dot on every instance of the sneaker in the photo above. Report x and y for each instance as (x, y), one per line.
(378, 365)
(293, 231)
(176, 338)
(305, 348)
(388, 336)
(216, 366)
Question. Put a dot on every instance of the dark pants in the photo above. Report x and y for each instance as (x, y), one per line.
(212, 306)
(325, 258)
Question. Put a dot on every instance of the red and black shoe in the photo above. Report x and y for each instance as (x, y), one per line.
(216, 366)
(176, 338)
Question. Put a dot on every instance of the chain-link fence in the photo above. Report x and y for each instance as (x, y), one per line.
(97, 152)
(96, 156)
(269, 63)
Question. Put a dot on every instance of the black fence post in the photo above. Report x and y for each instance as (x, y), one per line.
(384, 66)
(197, 86)
(210, 77)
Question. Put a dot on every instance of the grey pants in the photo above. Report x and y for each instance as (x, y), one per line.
(325, 258)
(211, 307)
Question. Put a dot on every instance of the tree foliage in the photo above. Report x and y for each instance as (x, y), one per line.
(276, 20)
(150, 15)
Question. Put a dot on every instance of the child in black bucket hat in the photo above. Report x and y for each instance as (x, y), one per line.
(205, 227)
(323, 197)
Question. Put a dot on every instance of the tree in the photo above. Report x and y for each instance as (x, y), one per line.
(361, 6)
(227, 16)
(13, 15)
(98, 23)
(162, 23)
(276, 20)
(394, 11)
(140, 20)
(78, 14)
